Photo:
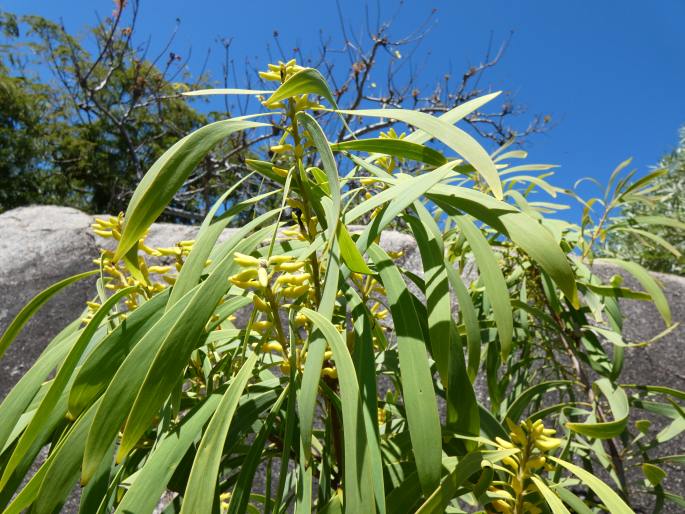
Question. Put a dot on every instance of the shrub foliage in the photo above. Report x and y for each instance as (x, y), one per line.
(300, 351)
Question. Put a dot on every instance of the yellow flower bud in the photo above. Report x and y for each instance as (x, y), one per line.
(281, 172)
(260, 304)
(511, 462)
(159, 269)
(262, 326)
(297, 280)
(546, 444)
(535, 462)
(329, 372)
(246, 274)
(270, 75)
(301, 320)
(245, 260)
(272, 346)
(244, 284)
(295, 291)
(280, 259)
(289, 266)
(504, 444)
(281, 148)
(263, 278)
(501, 506)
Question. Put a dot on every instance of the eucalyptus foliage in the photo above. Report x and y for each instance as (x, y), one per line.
(300, 351)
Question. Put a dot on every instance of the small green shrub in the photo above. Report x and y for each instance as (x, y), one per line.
(331, 388)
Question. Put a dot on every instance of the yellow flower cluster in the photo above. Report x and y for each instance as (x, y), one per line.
(152, 278)
(533, 441)
(281, 72)
(275, 282)
(389, 163)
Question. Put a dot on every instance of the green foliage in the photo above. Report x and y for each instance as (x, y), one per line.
(300, 347)
(651, 232)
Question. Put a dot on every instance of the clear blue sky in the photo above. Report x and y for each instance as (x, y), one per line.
(611, 72)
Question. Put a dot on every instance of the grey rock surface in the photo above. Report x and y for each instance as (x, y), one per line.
(40, 245)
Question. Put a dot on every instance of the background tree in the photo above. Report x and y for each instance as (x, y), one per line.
(647, 247)
(93, 114)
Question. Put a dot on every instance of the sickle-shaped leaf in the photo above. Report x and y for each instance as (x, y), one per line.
(167, 175)
(618, 403)
(33, 306)
(453, 116)
(396, 147)
(612, 501)
(455, 138)
(523, 230)
(648, 282)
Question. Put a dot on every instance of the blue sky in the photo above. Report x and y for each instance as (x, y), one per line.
(611, 73)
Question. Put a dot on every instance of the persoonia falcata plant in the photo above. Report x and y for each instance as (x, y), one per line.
(297, 365)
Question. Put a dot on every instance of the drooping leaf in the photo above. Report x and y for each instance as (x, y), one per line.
(167, 175)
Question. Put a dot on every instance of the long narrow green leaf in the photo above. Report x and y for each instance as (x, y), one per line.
(27, 312)
(152, 479)
(103, 361)
(395, 147)
(179, 342)
(454, 115)
(552, 499)
(309, 388)
(328, 160)
(650, 284)
(37, 427)
(618, 403)
(417, 382)
(358, 492)
(23, 393)
(440, 498)
(470, 318)
(458, 140)
(64, 466)
(240, 495)
(437, 293)
(523, 230)
(493, 278)
(166, 176)
(199, 493)
(524, 398)
(611, 500)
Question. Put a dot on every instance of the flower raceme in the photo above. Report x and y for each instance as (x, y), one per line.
(533, 442)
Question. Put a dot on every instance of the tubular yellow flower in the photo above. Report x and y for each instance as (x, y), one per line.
(294, 291)
(263, 278)
(289, 266)
(281, 172)
(281, 148)
(245, 260)
(272, 346)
